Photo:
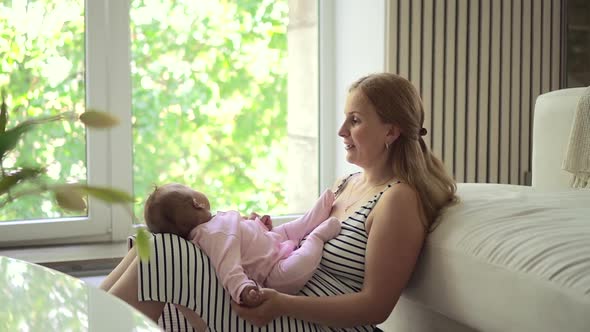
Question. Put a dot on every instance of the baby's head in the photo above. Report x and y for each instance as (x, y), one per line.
(175, 208)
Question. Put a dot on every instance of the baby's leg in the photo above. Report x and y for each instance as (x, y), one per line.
(295, 230)
(290, 274)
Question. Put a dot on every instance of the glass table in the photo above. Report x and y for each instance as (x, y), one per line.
(35, 298)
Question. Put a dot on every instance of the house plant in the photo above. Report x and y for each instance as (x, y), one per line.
(19, 181)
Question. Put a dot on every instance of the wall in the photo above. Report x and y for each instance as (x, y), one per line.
(352, 44)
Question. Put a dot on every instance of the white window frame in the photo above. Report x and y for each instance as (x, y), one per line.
(107, 88)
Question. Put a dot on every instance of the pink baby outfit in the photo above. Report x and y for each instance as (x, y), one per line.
(245, 253)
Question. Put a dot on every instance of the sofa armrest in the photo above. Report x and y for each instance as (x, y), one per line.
(554, 114)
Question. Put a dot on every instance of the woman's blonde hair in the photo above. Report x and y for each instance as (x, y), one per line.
(397, 102)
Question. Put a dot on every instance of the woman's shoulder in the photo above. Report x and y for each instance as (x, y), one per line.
(401, 188)
(400, 198)
(398, 211)
(400, 193)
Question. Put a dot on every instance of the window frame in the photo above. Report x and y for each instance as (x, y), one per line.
(109, 153)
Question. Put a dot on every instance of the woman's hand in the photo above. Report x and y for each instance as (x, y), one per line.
(266, 312)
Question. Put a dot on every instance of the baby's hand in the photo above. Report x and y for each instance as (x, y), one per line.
(250, 296)
(267, 221)
(252, 216)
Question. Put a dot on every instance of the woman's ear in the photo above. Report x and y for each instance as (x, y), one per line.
(392, 134)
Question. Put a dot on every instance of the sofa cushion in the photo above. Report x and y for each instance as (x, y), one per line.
(509, 258)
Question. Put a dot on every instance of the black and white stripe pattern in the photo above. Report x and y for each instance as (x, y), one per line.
(178, 272)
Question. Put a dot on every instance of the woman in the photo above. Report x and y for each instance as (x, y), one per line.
(386, 211)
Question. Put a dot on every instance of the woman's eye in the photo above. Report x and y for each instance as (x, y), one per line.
(354, 120)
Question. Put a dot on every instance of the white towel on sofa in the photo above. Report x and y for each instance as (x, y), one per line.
(577, 158)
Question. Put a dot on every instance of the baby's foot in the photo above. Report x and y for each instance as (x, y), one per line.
(327, 230)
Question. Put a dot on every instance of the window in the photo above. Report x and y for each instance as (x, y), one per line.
(43, 73)
(220, 95)
(44, 63)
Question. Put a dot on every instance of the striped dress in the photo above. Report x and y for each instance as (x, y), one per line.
(179, 273)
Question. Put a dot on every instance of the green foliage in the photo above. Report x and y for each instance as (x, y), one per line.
(11, 178)
(143, 244)
(42, 70)
(209, 98)
(20, 182)
(23, 181)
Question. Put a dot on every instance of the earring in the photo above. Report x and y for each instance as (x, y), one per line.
(386, 146)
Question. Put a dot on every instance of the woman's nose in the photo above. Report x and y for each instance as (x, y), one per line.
(343, 132)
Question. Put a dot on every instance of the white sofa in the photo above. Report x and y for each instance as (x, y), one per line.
(509, 258)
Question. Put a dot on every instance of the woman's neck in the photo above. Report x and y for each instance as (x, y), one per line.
(377, 176)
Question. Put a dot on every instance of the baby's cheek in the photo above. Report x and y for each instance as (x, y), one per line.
(202, 217)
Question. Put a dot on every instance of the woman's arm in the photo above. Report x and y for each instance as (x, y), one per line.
(395, 241)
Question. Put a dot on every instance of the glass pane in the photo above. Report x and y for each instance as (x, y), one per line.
(222, 104)
(42, 74)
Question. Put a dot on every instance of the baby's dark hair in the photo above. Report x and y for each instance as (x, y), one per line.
(166, 211)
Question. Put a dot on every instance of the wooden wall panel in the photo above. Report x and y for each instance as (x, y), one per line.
(479, 65)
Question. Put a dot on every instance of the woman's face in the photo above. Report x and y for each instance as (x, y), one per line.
(363, 132)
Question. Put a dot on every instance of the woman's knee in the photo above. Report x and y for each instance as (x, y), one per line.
(126, 289)
(193, 318)
(118, 271)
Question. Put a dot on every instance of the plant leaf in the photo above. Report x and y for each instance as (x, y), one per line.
(143, 244)
(97, 119)
(7, 182)
(46, 119)
(3, 113)
(9, 138)
(70, 200)
(11, 179)
(108, 195)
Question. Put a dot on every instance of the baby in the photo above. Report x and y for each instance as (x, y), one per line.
(245, 252)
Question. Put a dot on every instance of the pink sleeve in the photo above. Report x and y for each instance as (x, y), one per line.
(224, 252)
